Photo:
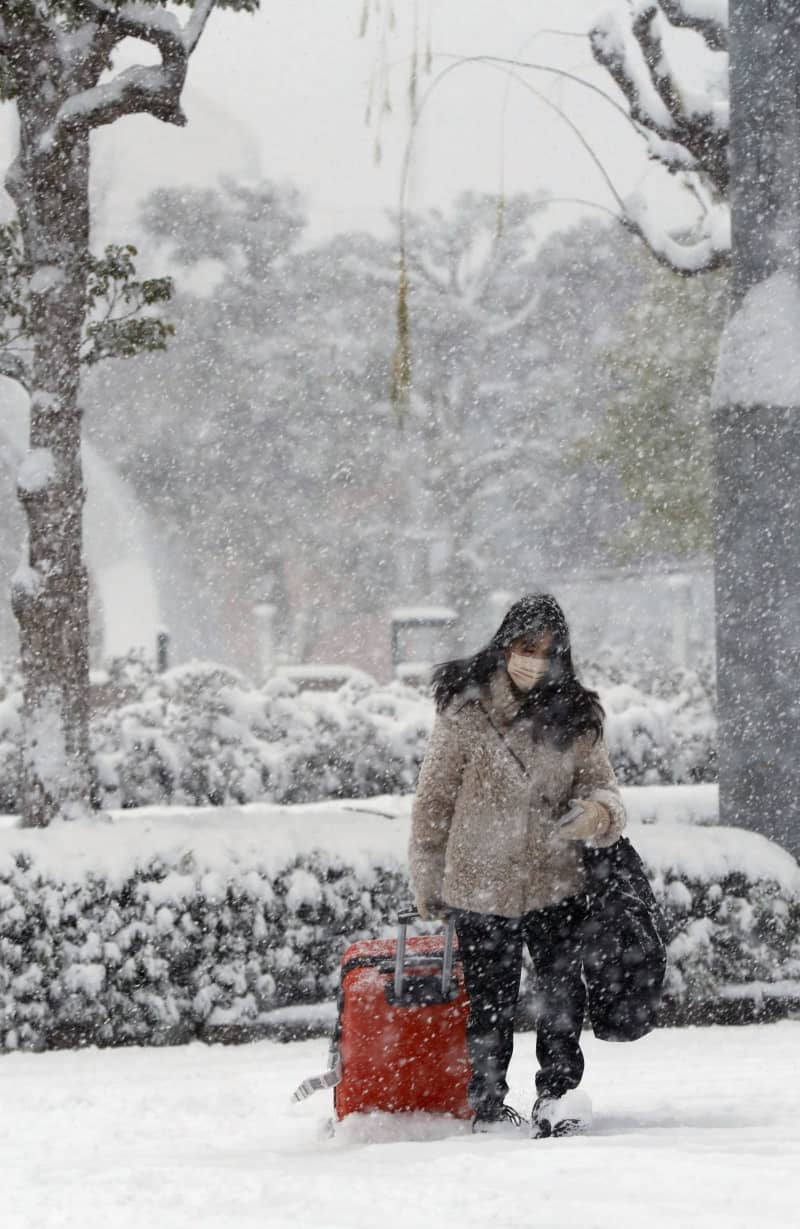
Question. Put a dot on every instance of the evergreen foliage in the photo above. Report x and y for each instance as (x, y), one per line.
(656, 435)
(118, 319)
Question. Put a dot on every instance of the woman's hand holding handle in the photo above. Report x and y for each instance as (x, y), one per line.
(433, 909)
(585, 820)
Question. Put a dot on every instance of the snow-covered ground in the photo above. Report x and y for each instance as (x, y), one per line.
(693, 1128)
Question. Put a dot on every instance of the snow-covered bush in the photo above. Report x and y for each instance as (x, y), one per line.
(731, 900)
(660, 723)
(164, 925)
(735, 947)
(161, 947)
(201, 734)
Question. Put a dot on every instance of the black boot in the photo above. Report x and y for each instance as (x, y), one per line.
(497, 1120)
(567, 1115)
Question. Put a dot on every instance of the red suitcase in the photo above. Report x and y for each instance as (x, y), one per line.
(400, 1043)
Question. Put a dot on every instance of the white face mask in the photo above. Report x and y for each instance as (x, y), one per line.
(526, 671)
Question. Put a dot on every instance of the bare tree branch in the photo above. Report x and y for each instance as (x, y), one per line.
(197, 23)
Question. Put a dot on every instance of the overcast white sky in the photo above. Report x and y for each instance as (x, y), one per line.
(282, 94)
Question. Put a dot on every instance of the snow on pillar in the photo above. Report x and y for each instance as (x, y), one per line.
(756, 408)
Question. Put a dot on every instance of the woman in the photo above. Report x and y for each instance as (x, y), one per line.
(515, 779)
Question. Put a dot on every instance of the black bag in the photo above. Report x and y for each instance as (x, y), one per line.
(624, 944)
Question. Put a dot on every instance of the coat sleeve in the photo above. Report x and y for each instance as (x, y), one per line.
(434, 803)
(595, 780)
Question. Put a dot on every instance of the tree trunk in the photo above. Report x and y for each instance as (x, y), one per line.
(50, 187)
(757, 434)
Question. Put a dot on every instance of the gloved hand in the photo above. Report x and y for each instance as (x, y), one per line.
(585, 820)
(432, 908)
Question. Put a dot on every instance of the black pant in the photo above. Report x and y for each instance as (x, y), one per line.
(491, 952)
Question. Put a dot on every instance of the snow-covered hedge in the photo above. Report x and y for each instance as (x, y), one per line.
(157, 926)
(660, 723)
(199, 734)
(162, 925)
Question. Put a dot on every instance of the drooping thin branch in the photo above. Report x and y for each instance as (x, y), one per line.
(401, 362)
(685, 258)
(492, 62)
(688, 258)
(517, 62)
(556, 72)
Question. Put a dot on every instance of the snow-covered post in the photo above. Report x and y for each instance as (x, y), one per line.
(53, 54)
(679, 585)
(757, 433)
(264, 614)
(162, 650)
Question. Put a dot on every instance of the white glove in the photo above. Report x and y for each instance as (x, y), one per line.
(585, 820)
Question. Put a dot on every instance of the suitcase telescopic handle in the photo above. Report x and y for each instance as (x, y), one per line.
(404, 917)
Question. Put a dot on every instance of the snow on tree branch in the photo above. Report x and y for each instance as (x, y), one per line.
(149, 22)
(614, 47)
(709, 251)
(153, 89)
(638, 58)
(708, 17)
(685, 128)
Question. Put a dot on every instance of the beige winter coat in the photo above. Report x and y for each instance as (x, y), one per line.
(484, 834)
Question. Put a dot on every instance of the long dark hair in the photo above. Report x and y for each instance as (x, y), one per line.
(560, 707)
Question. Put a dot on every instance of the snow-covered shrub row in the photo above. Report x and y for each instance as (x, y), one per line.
(158, 927)
(199, 734)
(155, 931)
(732, 903)
(167, 956)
